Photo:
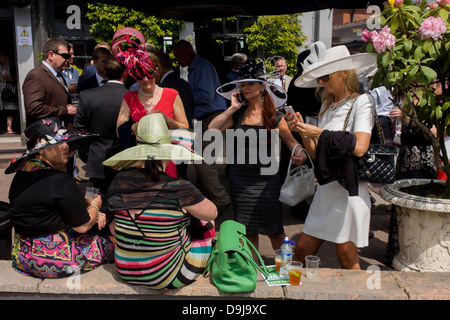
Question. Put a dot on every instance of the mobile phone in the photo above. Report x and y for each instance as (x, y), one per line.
(240, 97)
(290, 111)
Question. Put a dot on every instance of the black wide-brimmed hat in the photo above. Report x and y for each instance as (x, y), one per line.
(45, 133)
(250, 71)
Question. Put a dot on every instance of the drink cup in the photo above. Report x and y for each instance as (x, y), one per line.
(278, 259)
(295, 272)
(91, 192)
(312, 265)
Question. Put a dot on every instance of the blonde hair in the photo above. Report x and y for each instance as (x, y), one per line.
(351, 84)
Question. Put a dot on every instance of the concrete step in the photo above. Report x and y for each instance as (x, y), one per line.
(11, 147)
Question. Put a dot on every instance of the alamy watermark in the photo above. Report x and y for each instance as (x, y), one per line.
(74, 20)
(241, 147)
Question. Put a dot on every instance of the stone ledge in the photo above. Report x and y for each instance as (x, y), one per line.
(331, 284)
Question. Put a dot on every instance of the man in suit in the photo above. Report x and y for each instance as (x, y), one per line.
(44, 89)
(97, 113)
(100, 55)
(283, 79)
(169, 79)
(203, 79)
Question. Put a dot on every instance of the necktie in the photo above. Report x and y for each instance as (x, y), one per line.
(103, 82)
(282, 82)
(61, 79)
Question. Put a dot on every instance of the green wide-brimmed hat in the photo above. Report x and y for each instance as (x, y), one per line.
(154, 142)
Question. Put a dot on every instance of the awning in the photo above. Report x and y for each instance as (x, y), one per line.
(198, 10)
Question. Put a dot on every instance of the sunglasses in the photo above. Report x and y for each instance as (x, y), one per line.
(324, 78)
(66, 56)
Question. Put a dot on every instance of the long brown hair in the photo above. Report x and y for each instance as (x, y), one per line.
(269, 112)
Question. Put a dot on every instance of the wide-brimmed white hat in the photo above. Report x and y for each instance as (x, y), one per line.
(252, 71)
(154, 142)
(322, 61)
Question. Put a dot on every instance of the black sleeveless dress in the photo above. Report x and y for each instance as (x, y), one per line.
(255, 195)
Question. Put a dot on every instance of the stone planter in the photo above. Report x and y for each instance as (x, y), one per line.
(423, 228)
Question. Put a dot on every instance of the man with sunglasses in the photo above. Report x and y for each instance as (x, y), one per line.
(45, 90)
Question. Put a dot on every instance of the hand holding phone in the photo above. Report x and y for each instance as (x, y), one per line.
(290, 111)
(240, 97)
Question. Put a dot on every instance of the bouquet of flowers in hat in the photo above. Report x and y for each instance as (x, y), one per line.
(414, 64)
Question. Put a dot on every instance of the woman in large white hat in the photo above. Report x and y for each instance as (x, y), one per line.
(155, 213)
(340, 211)
(255, 195)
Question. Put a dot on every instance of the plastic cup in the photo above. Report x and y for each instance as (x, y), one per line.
(312, 265)
(91, 192)
(278, 259)
(295, 272)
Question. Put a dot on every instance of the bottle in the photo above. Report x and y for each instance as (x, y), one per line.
(286, 254)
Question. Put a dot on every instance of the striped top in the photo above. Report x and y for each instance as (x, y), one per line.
(155, 248)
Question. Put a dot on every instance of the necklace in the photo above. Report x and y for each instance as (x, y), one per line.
(335, 105)
(148, 94)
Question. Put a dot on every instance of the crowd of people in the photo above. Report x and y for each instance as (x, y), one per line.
(155, 224)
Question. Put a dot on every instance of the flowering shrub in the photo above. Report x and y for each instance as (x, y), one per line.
(432, 27)
(414, 64)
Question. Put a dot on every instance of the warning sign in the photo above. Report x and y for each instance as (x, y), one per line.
(24, 36)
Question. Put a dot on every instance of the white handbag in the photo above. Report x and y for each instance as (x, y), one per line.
(299, 184)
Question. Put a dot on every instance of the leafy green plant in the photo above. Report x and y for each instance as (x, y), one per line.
(413, 63)
(107, 19)
(278, 35)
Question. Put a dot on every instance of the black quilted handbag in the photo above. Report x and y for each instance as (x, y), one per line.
(377, 165)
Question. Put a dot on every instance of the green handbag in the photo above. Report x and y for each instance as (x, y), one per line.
(231, 262)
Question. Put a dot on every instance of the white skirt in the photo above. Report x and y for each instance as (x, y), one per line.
(335, 216)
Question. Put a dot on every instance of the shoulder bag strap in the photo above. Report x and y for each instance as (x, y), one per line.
(377, 120)
(262, 268)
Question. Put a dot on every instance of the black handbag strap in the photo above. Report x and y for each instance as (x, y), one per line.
(377, 120)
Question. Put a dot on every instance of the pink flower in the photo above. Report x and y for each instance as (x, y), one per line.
(432, 28)
(366, 35)
(383, 40)
(399, 3)
(433, 5)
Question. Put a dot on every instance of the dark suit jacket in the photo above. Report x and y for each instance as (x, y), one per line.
(173, 81)
(85, 83)
(45, 96)
(97, 112)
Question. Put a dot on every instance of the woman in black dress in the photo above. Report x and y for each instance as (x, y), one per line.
(255, 191)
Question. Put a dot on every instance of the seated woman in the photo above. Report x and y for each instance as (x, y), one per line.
(48, 210)
(154, 212)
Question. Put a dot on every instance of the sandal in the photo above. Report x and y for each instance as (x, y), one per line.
(10, 132)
